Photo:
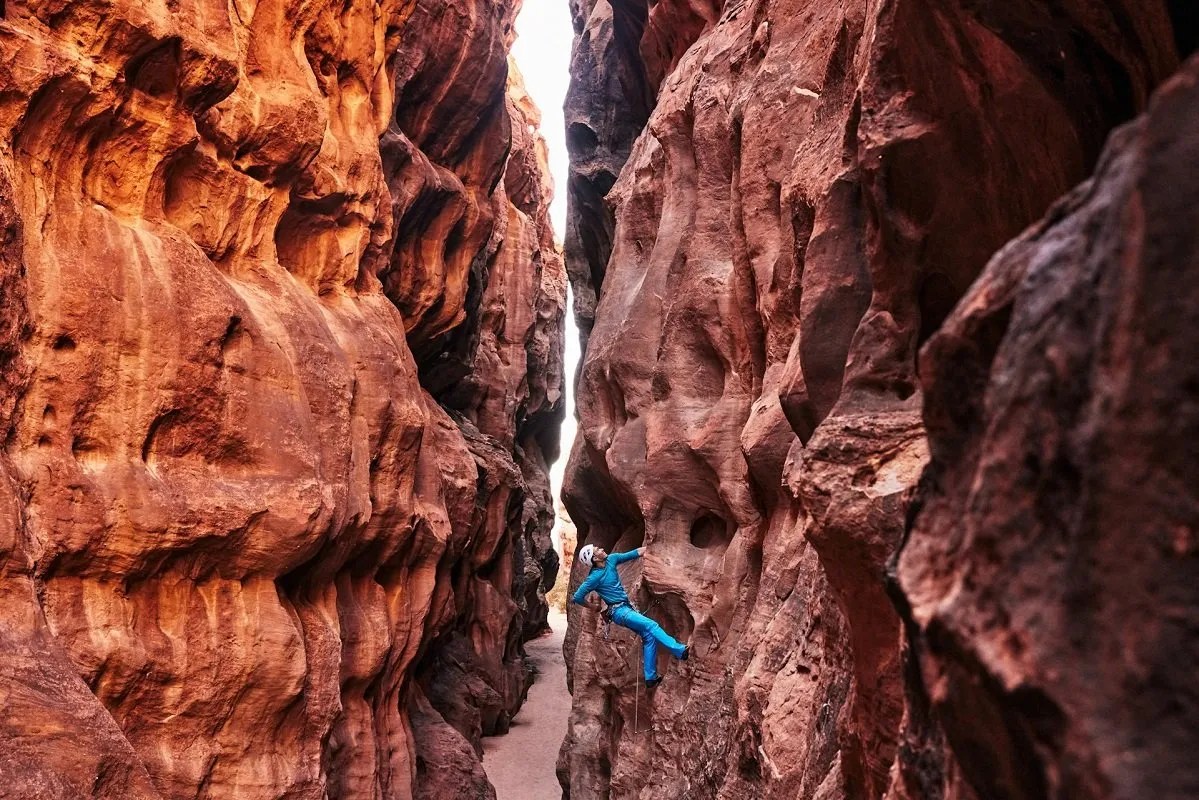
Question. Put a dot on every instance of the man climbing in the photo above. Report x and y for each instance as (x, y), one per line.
(605, 581)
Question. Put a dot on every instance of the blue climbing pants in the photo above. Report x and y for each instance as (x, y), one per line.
(651, 634)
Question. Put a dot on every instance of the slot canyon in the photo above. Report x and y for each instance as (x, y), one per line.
(888, 314)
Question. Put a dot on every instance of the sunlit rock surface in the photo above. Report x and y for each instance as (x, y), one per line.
(758, 258)
(280, 339)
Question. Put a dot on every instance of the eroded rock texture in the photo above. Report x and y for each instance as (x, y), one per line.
(1052, 569)
(816, 186)
(280, 346)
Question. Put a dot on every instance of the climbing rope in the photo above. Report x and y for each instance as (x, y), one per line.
(637, 694)
(653, 601)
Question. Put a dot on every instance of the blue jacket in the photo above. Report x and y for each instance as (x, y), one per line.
(605, 581)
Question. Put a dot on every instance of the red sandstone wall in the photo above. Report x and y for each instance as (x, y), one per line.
(1051, 570)
(281, 345)
(774, 205)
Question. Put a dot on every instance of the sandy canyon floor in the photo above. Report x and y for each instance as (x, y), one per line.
(521, 764)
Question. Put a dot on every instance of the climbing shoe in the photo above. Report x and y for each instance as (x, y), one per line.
(653, 682)
(686, 652)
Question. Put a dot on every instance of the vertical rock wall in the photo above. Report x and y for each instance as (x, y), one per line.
(1051, 572)
(280, 376)
(816, 186)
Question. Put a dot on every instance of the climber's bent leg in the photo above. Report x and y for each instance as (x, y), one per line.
(651, 634)
(642, 626)
(667, 641)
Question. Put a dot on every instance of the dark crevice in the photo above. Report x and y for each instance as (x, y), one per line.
(709, 531)
(1184, 14)
(160, 422)
(155, 71)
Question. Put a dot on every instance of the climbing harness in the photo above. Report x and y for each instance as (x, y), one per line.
(606, 613)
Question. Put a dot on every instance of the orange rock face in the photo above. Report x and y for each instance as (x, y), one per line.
(774, 205)
(280, 342)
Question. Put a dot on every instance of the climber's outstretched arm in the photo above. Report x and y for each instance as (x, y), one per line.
(620, 558)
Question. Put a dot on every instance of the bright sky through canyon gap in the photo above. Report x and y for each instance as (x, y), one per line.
(542, 52)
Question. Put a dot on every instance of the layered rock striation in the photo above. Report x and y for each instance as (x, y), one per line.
(758, 259)
(280, 377)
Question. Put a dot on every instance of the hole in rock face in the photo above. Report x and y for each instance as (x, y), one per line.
(156, 71)
(603, 182)
(580, 138)
(63, 342)
(669, 611)
(708, 532)
(903, 389)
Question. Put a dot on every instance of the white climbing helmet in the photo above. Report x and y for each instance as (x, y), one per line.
(586, 552)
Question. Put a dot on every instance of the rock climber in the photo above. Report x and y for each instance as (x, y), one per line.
(605, 581)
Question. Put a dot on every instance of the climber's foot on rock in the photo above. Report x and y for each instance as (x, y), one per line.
(653, 682)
